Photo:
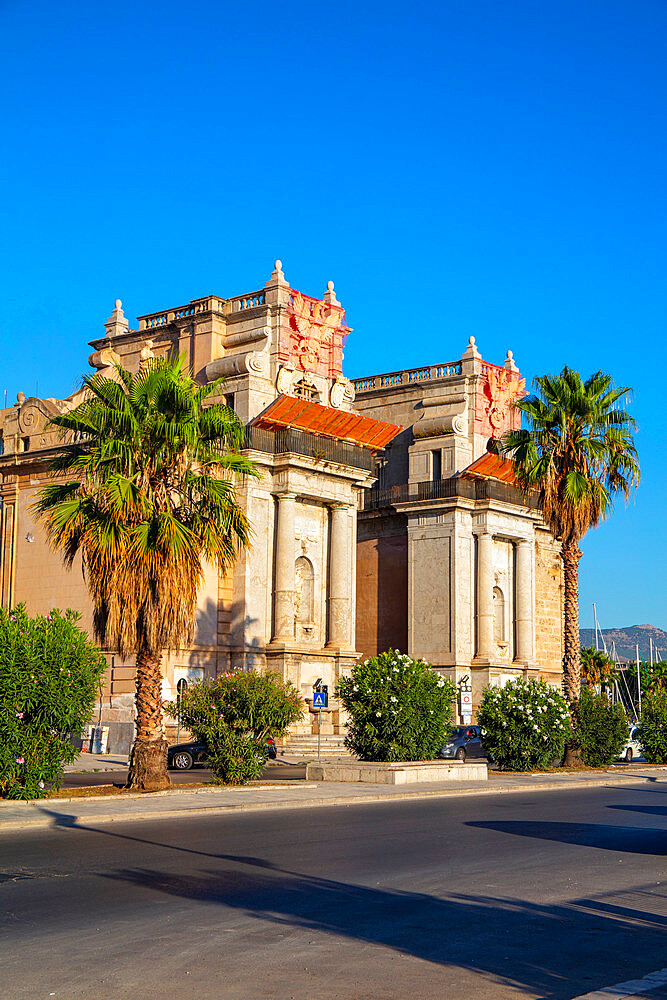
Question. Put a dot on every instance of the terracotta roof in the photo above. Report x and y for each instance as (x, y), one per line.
(341, 425)
(491, 466)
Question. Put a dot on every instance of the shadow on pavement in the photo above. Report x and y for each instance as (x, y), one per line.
(523, 944)
(630, 839)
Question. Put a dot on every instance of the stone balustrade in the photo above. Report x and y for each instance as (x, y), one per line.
(250, 301)
(410, 376)
(152, 321)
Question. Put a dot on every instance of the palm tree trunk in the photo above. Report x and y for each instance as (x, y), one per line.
(148, 761)
(571, 554)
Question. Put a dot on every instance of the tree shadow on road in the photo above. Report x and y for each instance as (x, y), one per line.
(627, 839)
(554, 951)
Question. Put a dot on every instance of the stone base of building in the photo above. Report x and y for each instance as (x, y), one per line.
(403, 773)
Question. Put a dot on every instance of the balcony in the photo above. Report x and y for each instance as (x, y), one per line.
(445, 489)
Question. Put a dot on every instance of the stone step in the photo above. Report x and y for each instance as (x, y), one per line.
(307, 746)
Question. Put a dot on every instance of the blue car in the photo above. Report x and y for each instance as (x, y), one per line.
(465, 742)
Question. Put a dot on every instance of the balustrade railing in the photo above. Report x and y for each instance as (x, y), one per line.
(409, 376)
(249, 301)
(153, 321)
(471, 489)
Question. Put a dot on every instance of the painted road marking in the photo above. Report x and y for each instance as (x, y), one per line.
(629, 989)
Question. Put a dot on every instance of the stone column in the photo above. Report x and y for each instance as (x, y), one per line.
(340, 583)
(524, 601)
(284, 591)
(485, 640)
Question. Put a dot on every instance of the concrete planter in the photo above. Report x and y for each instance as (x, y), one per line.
(402, 773)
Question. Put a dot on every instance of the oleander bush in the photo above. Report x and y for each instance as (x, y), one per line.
(233, 714)
(653, 728)
(525, 725)
(399, 708)
(602, 729)
(49, 680)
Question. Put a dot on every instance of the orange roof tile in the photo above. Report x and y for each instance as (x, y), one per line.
(341, 425)
(491, 466)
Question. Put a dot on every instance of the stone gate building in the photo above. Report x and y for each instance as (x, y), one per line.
(380, 519)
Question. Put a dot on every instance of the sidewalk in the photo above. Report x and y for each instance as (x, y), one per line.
(182, 802)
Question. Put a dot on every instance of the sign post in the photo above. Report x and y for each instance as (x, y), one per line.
(320, 701)
(465, 699)
(181, 688)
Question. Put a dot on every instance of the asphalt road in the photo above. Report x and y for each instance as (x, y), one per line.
(550, 894)
(272, 772)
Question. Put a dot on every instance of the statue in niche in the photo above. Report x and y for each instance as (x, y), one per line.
(303, 590)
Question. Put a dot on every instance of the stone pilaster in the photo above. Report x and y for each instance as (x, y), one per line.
(8, 495)
(485, 640)
(284, 590)
(340, 582)
(524, 601)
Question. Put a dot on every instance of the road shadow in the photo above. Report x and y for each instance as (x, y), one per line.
(626, 839)
(647, 810)
(554, 951)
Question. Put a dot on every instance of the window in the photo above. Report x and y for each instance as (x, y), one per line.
(436, 465)
(26, 443)
(306, 390)
(498, 615)
(304, 596)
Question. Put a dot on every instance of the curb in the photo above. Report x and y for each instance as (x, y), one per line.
(43, 822)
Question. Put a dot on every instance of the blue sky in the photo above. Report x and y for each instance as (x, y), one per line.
(457, 168)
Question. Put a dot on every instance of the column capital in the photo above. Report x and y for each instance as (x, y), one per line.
(341, 505)
(286, 495)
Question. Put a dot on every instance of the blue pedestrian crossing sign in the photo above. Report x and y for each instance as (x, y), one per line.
(319, 699)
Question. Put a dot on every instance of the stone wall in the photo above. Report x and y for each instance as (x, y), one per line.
(548, 607)
(382, 584)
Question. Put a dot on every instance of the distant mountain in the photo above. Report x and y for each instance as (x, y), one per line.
(626, 640)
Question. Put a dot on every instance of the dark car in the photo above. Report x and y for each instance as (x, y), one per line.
(465, 741)
(183, 756)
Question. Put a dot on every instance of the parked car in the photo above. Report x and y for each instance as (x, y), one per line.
(633, 749)
(466, 741)
(183, 756)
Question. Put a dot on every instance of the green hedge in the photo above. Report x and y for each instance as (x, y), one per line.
(233, 714)
(525, 725)
(653, 728)
(602, 729)
(49, 680)
(399, 708)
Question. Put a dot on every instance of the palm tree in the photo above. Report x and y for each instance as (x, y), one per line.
(596, 667)
(578, 452)
(154, 496)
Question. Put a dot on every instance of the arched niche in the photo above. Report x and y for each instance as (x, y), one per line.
(304, 578)
(499, 633)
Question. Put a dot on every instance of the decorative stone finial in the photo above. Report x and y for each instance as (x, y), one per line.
(20, 398)
(509, 362)
(330, 295)
(277, 276)
(471, 350)
(117, 325)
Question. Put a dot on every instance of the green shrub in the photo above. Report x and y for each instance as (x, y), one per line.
(602, 729)
(525, 725)
(653, 728)
(399, 708)
(49, 678)
(233, 714)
